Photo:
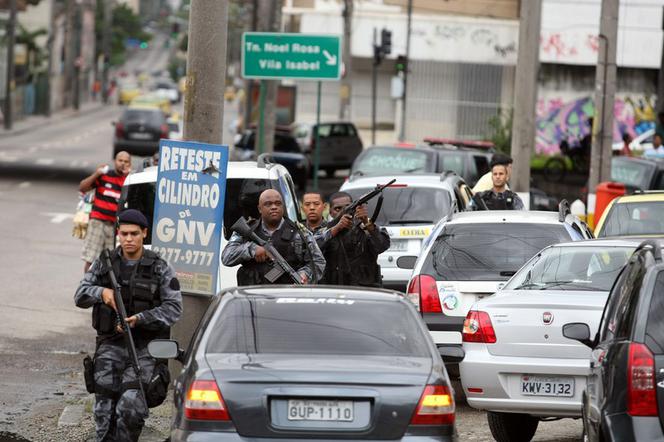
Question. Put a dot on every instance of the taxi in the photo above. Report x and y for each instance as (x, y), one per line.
(127, 91)
(640, 214)
(152, 100)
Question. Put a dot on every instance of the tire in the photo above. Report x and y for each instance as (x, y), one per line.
(512, 427)
(555, 169)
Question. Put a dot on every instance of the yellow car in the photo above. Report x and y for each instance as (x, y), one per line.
(127, 92)
(641, 214)
(152, 100)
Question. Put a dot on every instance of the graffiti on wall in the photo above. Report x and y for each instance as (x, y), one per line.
(559, 119)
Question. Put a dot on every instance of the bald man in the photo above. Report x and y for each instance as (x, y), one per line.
(107, 183)
(293, 241)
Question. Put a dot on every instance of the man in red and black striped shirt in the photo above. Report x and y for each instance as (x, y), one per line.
(101, 227)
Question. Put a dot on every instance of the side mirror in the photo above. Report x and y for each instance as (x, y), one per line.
(578, 331)
(406, 262)
(165, 349)
(452, 354)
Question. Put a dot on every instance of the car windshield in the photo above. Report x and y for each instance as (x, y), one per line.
(453, 161)
(631, 173)
(591, 268)
(639, 218)
(489, 252)
(289, 325)
(146, 116)
(408, 205)
(386, 161)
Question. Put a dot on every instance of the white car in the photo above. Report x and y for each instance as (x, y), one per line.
(469, 255)
(517, 364)
(411, 208)
(245, 181)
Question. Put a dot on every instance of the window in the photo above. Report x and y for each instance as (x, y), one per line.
(481, 164)
(639, 218)
(140, 197)
(607, 325)
(453, 161)
(283, 325)
(242, 199)
(655, 325)
(623, 308)
(285, 143)
(339, 130)
(385, 161)
(631, 173)
(323, 130)
(488, 252)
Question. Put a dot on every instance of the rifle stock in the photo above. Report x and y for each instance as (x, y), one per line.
(122, 322)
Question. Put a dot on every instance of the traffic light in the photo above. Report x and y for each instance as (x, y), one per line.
(386, 41)
(401, 64)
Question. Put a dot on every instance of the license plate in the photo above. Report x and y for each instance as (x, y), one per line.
(320, 410)
(546, 386)
(140, 136)
(398, 246)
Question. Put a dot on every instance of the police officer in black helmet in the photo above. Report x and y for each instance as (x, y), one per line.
(152, 298)
(499, 197)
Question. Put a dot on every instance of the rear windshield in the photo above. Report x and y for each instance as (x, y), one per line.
(631, 173)
(489, 252)
(655, 326)
(587, 268)
(380, 161)
(146, 116)
(241, 200)
(316, 326)
(408, 205)
(644, 218)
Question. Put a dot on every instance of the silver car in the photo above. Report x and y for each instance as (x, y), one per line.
(518, 366)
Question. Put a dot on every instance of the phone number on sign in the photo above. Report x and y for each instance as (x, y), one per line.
(188, 256)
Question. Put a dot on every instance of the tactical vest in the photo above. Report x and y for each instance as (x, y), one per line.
(140, 289)
(253, 273)
(495, 203)
(350, 261)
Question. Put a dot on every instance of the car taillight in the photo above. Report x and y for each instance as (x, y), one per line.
(164, 130)
(119, 130)
(423, 292)
(477, 327)
(436, 407)
(641, 389)
(204, 402)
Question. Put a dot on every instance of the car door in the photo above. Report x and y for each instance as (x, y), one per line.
(654, 337)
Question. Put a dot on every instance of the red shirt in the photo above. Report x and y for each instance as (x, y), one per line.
(107, 193)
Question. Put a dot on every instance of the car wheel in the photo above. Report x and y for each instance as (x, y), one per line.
(512, 427)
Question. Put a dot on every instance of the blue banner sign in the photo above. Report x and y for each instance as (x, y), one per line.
(188, 211)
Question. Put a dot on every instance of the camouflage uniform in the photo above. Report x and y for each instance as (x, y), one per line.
(119, 409)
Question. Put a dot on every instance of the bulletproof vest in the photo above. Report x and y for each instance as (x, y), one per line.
(139, 287)
(494, 202)
(350, 261)
(252, 272)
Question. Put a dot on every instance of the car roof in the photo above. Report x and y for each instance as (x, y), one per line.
(420, 147)
(641, 197)
(328, 292)
(236, 169)
(419, 180)
(618, 241)
(500, 216)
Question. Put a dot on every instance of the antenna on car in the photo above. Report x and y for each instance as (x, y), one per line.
(563, 210)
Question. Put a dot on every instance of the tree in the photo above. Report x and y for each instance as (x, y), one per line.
(501, 130)
(126, 25)
(346, 81)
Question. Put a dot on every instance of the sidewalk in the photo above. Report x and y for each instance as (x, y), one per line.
(29, 123)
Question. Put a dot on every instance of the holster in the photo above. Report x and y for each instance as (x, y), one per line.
(89, 373)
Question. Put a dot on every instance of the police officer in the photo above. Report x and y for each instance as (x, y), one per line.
(314, 206)
(152, 298)
(353, 245)
(293, 242)
(499, 197)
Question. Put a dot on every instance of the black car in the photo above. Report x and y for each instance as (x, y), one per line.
(313, 363)
(286, 152)
(139, 130)
(468, 163)
(339, 144)
(624, 396)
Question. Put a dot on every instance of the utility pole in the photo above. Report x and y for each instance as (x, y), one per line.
(11, 40)
(70, 58)
(660, 75)
(78, 18)
(345, 91)
(106, 48)
(203, 111)
(269, 20)
(51, 56)
(605, 90)
(525, 97)
(402, 130)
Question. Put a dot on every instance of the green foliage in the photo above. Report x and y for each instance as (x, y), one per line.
(125, 24)
(501, 130)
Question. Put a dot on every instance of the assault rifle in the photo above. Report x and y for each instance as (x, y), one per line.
(350, 209)
(281, 266)
(122, 322)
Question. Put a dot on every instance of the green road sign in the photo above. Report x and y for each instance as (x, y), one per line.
(271, 55)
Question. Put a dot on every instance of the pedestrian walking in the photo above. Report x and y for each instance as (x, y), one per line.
(499, 197)
(293, 242)
(107, 184)
(352, 247)
(151, 295)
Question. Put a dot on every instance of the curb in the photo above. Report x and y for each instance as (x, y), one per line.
(47, 121)
(71, 416)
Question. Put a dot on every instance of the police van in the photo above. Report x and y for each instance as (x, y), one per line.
(411, 207)
(245, 181)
